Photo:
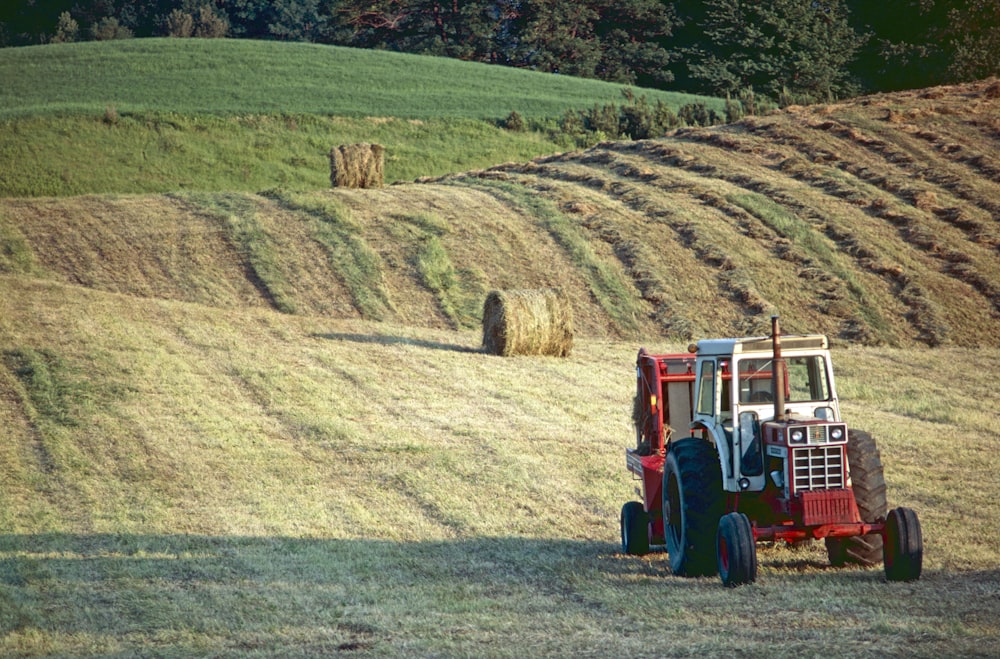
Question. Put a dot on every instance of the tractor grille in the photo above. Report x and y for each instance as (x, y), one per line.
(818, 468)
(818, 434)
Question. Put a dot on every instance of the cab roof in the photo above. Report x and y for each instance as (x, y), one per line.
(762, 344)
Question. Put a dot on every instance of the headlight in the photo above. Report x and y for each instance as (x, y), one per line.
(797, 436)
(837, 434)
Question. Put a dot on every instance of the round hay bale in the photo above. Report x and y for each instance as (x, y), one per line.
(357, 166)
(528, 322)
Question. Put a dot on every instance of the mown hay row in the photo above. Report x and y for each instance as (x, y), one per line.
(528, 322)
(357, 166)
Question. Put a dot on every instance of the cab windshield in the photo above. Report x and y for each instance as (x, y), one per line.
(805, 380)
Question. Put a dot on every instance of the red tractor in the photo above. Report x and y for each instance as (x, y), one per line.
(741, 440)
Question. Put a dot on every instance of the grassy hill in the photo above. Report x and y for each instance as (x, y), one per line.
(159, 115)
(259, 424)
(241, 77)
(874, 221)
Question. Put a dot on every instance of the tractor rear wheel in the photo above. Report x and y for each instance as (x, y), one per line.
(635, 529)
(692, 505)
(904, 546)
(868, 483)
(737, 550)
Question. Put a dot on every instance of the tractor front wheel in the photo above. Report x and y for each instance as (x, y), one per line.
(904, 546)
(868, 483)
(635, 529)
(737, 550)
(692, 505)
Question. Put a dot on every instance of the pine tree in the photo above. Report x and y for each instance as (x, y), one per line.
(799, 47)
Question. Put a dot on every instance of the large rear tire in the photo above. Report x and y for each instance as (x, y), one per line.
(904, 546)
(692, 505)
(737, 550)
(635, 529)
(868, 482)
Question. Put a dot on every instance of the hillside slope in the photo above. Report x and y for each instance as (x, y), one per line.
(874, 221)
(245, 425)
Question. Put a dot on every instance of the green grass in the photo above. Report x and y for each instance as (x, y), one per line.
(814, 243)
(161, 115)
(242, 77)
(459, 290)
(16, 256)
(161, 152)
(55, 395)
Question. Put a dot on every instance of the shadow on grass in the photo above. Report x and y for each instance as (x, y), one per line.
(382, 339)
(273, 596)
(121, 595)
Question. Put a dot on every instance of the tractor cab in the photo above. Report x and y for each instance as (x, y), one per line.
(746, 393)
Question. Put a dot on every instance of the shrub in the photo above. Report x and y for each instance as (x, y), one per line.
(110, 115)
(67, 29)
(108, 29)
(209, 25)
(698, 114)
(640, 120)
(734, 110)
(603, 120)
(514, 122)
(180, 24)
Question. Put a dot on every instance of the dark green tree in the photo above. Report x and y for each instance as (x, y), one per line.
(797, 49)
(973, 36)
(921, 43)
(616, 41)
(900, 52)
(464, 30)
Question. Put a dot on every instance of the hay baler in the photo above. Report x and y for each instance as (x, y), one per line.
(741, 440)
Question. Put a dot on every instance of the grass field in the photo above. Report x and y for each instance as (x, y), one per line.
(160, 115)
(74, 155)
(241, 77)
(179, 479)
(249, 416)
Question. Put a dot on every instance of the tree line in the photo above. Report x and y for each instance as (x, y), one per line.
(785, 51)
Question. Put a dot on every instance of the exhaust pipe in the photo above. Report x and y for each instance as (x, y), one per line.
(777, 371)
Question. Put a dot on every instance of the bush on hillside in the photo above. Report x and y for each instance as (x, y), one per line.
(67, 29)
(180, 24)
(698, 114)
(210, 26)
(108, 29)
(637, 119)
(514, 122)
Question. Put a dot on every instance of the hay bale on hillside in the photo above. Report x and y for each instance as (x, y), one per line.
(357, 166)
(528, 322)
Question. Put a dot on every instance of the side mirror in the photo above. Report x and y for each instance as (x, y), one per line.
(825, 413)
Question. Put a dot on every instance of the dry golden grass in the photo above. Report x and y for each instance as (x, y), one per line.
(244, 482)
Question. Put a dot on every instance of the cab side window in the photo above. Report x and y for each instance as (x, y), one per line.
(706, 388)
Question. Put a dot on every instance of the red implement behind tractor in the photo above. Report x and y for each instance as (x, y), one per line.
(741, 440)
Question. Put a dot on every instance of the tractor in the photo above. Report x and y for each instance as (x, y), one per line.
(741, 440)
